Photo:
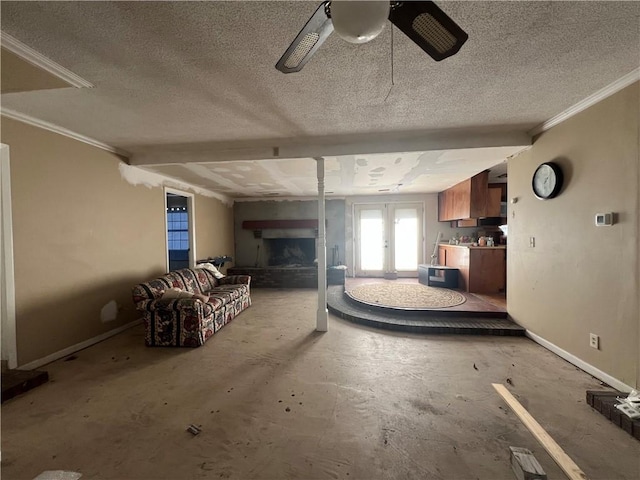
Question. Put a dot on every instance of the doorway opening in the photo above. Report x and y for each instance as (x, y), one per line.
(389, 239)
(180, 229)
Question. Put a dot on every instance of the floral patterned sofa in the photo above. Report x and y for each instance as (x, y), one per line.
(189, 322)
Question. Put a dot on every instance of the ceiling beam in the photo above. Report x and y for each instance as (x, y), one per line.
(336, 145)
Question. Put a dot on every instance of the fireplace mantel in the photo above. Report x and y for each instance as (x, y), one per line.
(282, 228)
(281, 224)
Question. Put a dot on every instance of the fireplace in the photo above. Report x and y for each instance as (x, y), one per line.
(290, 252)
(285, 253)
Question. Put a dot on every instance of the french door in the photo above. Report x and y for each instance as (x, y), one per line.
(389, 239)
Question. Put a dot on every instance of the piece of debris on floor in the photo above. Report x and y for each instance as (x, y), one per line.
(287, 409)
(568, 466)
(194, 429)
(525, 466)
(58, 475)
(630, 405)
(509, 381)
(474, 367)
(16, 382)
(606, 403)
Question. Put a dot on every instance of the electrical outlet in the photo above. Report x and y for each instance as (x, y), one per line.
(532, 242)
(594, 341)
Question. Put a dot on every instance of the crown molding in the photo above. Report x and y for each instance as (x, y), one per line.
(598, 96)
(21, 117)
(36, 58)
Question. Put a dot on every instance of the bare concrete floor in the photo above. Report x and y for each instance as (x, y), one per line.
(278, 401)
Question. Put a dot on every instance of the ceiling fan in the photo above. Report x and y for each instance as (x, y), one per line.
(361, 21)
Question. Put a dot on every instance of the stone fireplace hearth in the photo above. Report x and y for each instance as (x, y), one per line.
(279, 277)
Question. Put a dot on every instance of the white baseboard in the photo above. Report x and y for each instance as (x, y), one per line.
(581, 364)
(77, 347)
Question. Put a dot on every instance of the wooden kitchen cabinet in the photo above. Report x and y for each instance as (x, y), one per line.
(503, 190)
(493, 212)
(482, 269)
(457, 257)
(467, 222)
(471, 198)
(493, 202)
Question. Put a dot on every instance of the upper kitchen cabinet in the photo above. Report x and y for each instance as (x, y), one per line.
(471, 198)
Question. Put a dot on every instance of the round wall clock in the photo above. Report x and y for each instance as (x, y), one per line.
(547, 180)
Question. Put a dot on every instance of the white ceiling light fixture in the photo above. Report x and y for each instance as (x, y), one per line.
(359, 21)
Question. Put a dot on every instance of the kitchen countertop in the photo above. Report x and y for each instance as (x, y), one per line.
(497, 247)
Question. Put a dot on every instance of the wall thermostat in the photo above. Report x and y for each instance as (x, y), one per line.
(604, 219)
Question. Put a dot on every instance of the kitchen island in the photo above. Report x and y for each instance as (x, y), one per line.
(482, 269)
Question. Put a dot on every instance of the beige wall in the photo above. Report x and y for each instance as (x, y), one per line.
(214, 228)
(18, 75)
(580, 278)
(83, 237)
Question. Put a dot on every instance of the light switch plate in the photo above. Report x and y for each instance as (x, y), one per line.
(532, 242)
(604, 219)
(594, 341)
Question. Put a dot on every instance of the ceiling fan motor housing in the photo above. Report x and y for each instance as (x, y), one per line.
(361, 21)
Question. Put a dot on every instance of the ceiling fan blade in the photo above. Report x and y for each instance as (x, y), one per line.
(429, 27)
(312, 35)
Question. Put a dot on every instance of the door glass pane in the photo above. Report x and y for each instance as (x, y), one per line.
(406, 237)
(371, 240)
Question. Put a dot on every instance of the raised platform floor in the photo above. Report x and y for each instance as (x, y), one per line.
(476, 316)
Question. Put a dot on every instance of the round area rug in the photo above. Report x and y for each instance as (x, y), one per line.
(406, 295)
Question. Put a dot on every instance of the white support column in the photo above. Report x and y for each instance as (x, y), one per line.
(322, 319)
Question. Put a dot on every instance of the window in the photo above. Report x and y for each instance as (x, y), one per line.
(178, 228)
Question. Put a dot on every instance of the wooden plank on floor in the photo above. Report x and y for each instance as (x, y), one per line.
(568, 466)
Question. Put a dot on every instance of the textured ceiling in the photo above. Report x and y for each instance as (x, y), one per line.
(198, 74)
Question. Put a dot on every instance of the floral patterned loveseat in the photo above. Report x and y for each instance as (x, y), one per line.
(189, 322)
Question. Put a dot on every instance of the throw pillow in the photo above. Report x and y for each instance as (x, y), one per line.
(209, 266)
(177, 293)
